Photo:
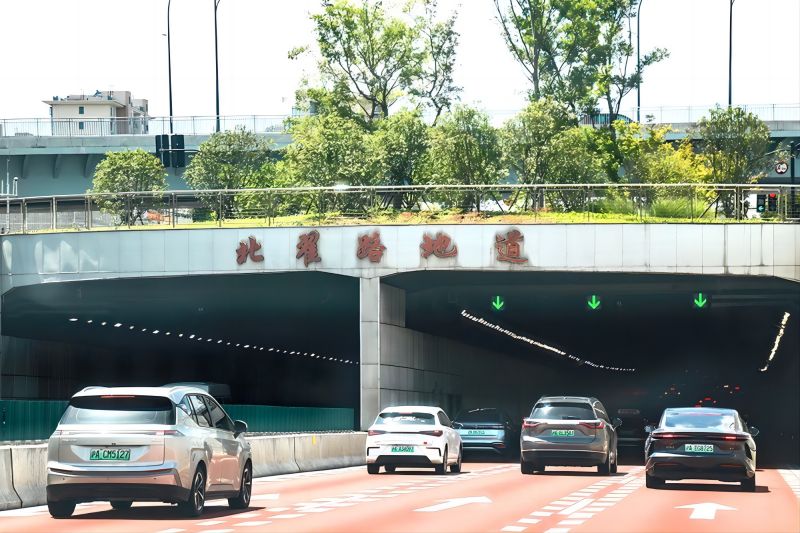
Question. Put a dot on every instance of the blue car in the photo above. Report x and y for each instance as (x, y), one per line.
(487, 429)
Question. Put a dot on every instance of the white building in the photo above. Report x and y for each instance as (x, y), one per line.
(102, 113)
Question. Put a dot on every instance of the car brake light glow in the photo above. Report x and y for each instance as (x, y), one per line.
(373, 432)
(433, 433)
(599, 424)
(530, 424)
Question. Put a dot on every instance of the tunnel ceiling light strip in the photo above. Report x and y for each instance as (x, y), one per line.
(246, 346)
(778, 337)
(543, 346)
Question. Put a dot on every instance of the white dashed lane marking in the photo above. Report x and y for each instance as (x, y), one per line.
(792, 478)
(254, 523)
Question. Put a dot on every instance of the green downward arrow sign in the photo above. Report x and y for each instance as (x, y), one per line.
(498, 303)
(594, 303)
(700, 301)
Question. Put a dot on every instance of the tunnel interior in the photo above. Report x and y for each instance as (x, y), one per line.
(288, 339)
(639, 343)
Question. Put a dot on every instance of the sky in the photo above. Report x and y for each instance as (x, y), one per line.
(60, 47)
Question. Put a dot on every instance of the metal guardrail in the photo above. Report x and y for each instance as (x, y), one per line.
(84, 127)
(780, 117)
(581, 203)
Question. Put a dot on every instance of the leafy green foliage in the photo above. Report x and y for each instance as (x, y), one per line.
(129, 171)
(647, 156)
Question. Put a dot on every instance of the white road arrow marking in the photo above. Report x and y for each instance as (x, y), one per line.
(705, 511)
(454, 502)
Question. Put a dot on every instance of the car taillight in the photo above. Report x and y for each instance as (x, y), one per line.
(599, 424)
(433, 432)
(530, 424)
(734, 437)
(373, 432)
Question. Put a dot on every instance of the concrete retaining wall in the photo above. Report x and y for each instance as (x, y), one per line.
(23, 468)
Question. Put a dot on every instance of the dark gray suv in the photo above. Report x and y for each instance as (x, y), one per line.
(569, 431)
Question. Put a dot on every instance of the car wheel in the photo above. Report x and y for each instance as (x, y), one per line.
(615, 463)
(197, 494)
(442, 468)
(390, 468)
(526, 467)
(456, 468)
(537, 467)
(605, 467)
(242, 501)
(61, 509)
(373, 469)
(652, 482)
(121, 505)
(749, 485)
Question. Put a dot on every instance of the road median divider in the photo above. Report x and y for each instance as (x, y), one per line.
(29, 470)
(8, 496)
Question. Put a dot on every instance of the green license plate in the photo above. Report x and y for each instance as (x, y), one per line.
(563, 433)
(476, 432)
(699, 448)
(109, 454)
(402, 449)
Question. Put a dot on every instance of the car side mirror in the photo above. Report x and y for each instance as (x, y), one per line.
(648, 429)
(239, 427)
(616, 423)
(455, 425)
(754, 431)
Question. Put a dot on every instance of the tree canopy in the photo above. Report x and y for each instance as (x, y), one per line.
(128, 171)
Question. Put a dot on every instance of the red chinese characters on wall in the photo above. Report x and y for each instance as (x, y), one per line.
(307, 247)
(248, 249)
(509, 247)
(441, 246)
(370, 247)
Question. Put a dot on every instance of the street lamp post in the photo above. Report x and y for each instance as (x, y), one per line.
(730, 54)
(638, 65)
(169, 68)
(216, 57)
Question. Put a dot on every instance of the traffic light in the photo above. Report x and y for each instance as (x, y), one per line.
(162, 149)
(761, 203)
(178, 152)
(772, 201)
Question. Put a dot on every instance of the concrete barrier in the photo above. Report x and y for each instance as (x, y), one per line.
(273, 455)
(8, 496)
(29, 465)
(23, 468)
(329, 450)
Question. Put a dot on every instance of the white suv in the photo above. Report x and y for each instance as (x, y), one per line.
(170, 444)
(414, 436)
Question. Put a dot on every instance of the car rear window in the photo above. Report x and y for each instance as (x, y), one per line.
(563, 411)
(699, 420)
(119, 410)
(479, 415)
(426, 419)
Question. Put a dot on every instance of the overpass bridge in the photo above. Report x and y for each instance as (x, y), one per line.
(365, 316)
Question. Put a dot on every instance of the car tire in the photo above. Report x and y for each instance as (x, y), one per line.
(442, 468)
(373, 469)
(615, 464)
(749, 485)
(61, 509)
(526, 467)
(652, 482)
(604, 468)
(456, 468)
(196, 503)
(242, 500)
(390, 468)
(121, 505)
(538, 468)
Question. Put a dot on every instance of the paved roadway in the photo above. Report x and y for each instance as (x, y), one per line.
(492, 497)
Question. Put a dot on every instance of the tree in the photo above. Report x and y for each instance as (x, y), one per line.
(400, 144)
(573, 159)
(736, 146)
(371, 59)
(526, 138)
(236, 159)
(129, 171)
(464, 149)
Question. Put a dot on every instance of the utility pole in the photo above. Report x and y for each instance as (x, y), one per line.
(638, 66)
(169, 68)
(730, 54)
(216, 57)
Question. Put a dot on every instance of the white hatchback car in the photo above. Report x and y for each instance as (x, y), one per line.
(413, 436)
(169, 444)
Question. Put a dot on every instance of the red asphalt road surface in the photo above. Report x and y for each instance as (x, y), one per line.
(499, 499)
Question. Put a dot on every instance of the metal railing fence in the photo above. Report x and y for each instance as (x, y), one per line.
(581, 203)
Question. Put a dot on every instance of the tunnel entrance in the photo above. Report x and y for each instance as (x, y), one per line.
(287, 339)
(640, 343)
